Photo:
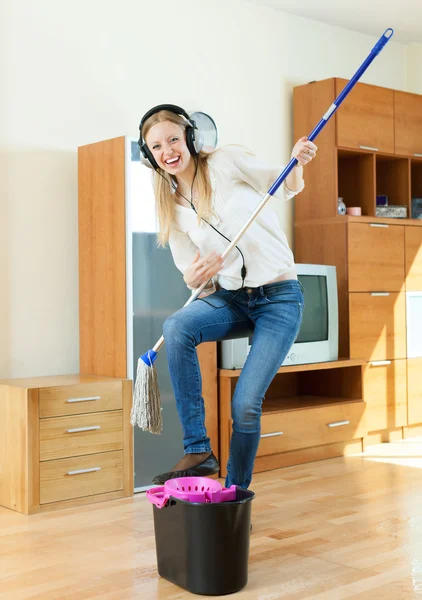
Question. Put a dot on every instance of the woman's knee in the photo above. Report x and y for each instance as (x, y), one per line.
(176, 330)
(247, 415)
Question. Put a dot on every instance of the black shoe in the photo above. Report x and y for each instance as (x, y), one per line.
(207, 467)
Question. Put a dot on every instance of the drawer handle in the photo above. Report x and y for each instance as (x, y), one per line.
(417, 154)
(89, 399)
(338, 423)
(274, 434)
(384, 225)
(80, 471)
(380, 293)
(379, 363)
(78, 429)
(369, 148)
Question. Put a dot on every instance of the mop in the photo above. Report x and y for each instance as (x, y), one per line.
(146, 409)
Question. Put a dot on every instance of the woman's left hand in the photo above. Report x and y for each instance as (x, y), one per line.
(304, 151)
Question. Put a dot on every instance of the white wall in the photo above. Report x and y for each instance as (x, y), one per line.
(81, 71)
(414, 71)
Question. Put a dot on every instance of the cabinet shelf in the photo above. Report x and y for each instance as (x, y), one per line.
(290, 403)
(393, 179)
(335, 364)
(362, 219)
(305, 406)
(356, 179)
(416, 178)
(363, 175)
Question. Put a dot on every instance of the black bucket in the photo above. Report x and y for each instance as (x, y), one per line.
(204, 548)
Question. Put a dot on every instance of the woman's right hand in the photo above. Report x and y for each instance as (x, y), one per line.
(202, 269)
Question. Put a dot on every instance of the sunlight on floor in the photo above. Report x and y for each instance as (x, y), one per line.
(407, 453)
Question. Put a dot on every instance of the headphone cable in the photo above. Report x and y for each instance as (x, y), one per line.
(243, 271)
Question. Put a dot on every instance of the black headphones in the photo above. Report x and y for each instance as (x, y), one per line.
(194, 138)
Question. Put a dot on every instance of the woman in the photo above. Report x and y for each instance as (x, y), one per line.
(203, 200)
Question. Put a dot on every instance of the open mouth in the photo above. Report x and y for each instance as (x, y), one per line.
(173, 162)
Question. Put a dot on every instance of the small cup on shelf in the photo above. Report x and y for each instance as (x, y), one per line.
(354, 211)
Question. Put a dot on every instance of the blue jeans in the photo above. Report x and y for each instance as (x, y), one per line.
(273, 314)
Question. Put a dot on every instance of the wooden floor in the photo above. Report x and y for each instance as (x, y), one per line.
(340, 528)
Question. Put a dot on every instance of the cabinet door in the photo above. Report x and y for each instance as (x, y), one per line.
(366, 118)
(376, 257)
(377, 326)
(408, 123)
(413, 248)
(414, 390)
(384, 389)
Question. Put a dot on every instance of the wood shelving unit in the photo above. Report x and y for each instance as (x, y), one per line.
(310, 401)
(372, 146)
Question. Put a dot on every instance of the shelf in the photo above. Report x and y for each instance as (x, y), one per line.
(416, 178)
(337, 364)
(283, 404)
(362, 219)
(393, 179)
(356, 179)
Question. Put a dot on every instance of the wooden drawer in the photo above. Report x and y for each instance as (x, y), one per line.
(82, 476)
(76, 435)
(414, 390)
(413, 237)
(385, 394)
(82, 398)
(376, 257)
(377, 325)
(292, 430)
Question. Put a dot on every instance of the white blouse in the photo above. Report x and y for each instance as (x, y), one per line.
(239, 182)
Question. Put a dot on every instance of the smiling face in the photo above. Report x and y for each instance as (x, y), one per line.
(167, 143)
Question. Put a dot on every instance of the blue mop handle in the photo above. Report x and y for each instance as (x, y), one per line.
(386, 36)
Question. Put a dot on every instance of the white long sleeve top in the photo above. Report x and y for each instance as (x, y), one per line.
(239, 182)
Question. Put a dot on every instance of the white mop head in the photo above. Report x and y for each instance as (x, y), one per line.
(146, 407)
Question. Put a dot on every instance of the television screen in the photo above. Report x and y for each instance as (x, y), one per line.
(314, 326)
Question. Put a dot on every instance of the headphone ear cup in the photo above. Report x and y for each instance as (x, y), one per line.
(147, 158)
(194, 140)
(199, 140)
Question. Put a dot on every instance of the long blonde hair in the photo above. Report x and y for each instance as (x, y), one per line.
(163, 181)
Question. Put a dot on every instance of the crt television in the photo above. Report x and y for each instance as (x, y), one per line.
(317, 340)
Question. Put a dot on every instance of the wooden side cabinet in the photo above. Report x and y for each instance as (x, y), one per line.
(64, 441)
(310, 412)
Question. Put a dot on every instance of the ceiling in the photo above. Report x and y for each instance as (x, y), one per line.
(366, 16)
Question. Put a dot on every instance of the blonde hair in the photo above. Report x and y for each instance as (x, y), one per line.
(163, 182)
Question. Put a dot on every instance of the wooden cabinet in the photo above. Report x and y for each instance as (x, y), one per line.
(360, 153)
(377, 145)
(413, 258)
(309, 411)
(64, 441)
(375, 257)
(384, 385)
(365, 120)
(377, 325)
(408, 123)
(373, 324)
(115, 316)
(414, 390)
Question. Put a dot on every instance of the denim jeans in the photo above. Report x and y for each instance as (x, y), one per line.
(272, 314)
